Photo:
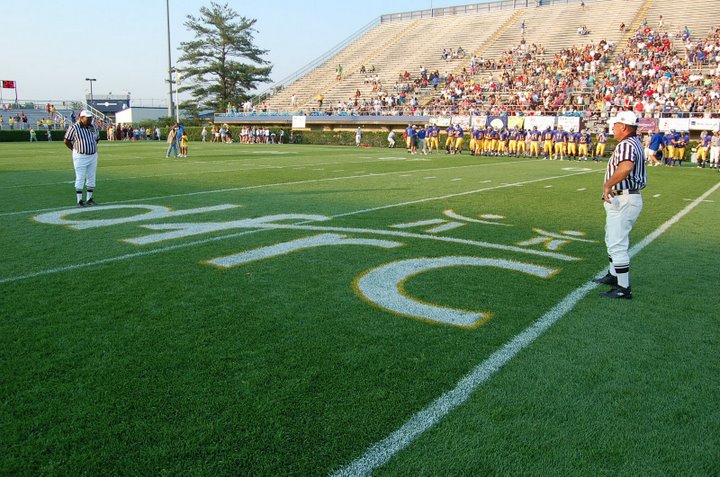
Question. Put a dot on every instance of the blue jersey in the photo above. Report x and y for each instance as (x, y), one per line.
(657, 140)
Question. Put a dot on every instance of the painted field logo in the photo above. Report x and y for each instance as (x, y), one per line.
(382, 286)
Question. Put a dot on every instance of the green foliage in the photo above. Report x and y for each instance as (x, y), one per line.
(339, 138)
(18, 135)
(213, 62)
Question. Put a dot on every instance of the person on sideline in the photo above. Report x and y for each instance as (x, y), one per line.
(625, 177)
(172, 141)
(82, 139)
(391, 139)
(184, 144)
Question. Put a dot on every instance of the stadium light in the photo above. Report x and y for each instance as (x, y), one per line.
(91, 93)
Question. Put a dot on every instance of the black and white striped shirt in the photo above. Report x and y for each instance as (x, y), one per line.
(84, 140)
(629, 149)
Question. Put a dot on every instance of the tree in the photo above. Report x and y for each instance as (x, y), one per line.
(212, 62)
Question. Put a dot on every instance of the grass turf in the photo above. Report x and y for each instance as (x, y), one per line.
(143, 359)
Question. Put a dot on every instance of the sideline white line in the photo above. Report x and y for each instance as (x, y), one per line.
(358, 175)
(380, 453)
(51, 271)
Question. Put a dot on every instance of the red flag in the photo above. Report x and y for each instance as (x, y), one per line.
(7, 84)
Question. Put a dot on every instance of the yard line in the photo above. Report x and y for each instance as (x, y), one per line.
(234, 235)
(242, 168)
(395, 233)
(381, 452)
(359, 175)
(459, 194)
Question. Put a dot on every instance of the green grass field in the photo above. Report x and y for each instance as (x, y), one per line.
(298, 310)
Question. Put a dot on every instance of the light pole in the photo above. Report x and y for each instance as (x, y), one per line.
(92, 105)
(170, 68)
(175, 72)
(177, 94)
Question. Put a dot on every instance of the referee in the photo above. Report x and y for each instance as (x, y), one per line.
(625, 176)
(82, 138)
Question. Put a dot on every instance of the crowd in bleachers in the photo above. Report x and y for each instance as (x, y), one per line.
(529, 82)
(449, 54)
(653, 74)
(18, 119)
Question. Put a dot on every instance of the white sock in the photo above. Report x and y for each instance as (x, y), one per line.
(79, 196)
(88, 196)
(623, 275)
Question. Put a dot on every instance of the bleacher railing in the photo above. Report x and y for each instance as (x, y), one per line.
(477, 8)
(98, 114)
(279, 85)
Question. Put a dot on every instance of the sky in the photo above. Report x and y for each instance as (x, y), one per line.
(51, 47)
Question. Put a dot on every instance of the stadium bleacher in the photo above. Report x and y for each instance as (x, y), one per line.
(37, 118)
(404, 45)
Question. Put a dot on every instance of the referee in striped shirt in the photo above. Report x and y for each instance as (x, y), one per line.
(625, 177)
(82, 138)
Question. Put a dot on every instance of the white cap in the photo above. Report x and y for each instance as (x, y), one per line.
(625, 117)
(85, 114)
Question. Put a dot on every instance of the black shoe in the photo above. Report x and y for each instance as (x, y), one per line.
(608, 279)
(81, 204)
(619, 292)
(90, 203)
